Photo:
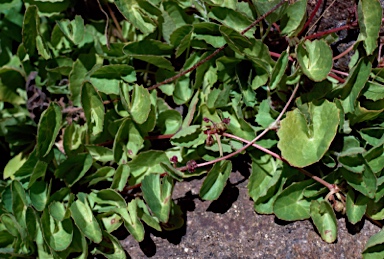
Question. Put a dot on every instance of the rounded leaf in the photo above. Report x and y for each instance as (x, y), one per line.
(305, 139)
(315, 59)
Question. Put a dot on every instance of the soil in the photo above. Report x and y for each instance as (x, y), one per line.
(230, 228)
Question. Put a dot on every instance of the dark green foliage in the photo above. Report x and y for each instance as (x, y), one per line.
(86, 119)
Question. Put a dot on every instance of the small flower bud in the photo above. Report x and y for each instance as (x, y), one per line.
(209, 141)
(226, 120)
(191, 165)
(174, 159)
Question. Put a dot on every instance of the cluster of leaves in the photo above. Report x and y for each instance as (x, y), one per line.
(85, 118)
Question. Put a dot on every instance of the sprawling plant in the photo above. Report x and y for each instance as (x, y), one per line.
(103, 112)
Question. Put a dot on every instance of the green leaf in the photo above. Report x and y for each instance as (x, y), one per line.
(279, 70)
(74, 168)
(74, 136)
(172, 171)
(363, 114)
(369, 13)
(355, 206)
(39, 194)
(99, 153)
(33, 226)
(86, 221)
(188, 137)
(215, 181)
(294, 18)
(58, 234)
(174, 17)
(140, 105)
(51, 7)
(169, 121)
(209, 33)
(291, 204)
(120, 177)
(239, 127)
(76, 78)
(375, 158)
(181, 38)
(107, 78)
(30, 29)
(148, 48)
(355, 83)
(128, 141)
(158, 61)
(144, 214)
(102, 174)
(265, 174)
(6, 238)
(236, 20)
(110, 247)
(146, 163)
(42, 48)
(263, 6)
(365, 182)
(93, 108)
(107, 200)
(176, 219)
(324, 219)
(13, 166)
(305, 139)
(19, 202)
(74, 30)
(191, 110)
(374, 247)
(79, 246)
(373, 135)
(12, 226)
(8, 95)
(58, 211)
(234, 39)
(131, 220)
(374, 91)
(139, 13)
(263, 117)
(157, 194)
(48, 129)
(183, 91)
(112, 222)
(315, 59)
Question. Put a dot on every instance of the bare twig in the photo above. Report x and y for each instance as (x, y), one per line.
(117, 24)
(106, 25)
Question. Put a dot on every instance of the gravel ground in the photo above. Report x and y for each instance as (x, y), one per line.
(230, 228)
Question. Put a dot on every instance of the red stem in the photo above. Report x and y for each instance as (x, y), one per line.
(167, 136)
(319, 2)
(341, 80)
(320, 34)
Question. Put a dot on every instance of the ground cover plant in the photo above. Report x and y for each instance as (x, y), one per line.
(103, 111)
